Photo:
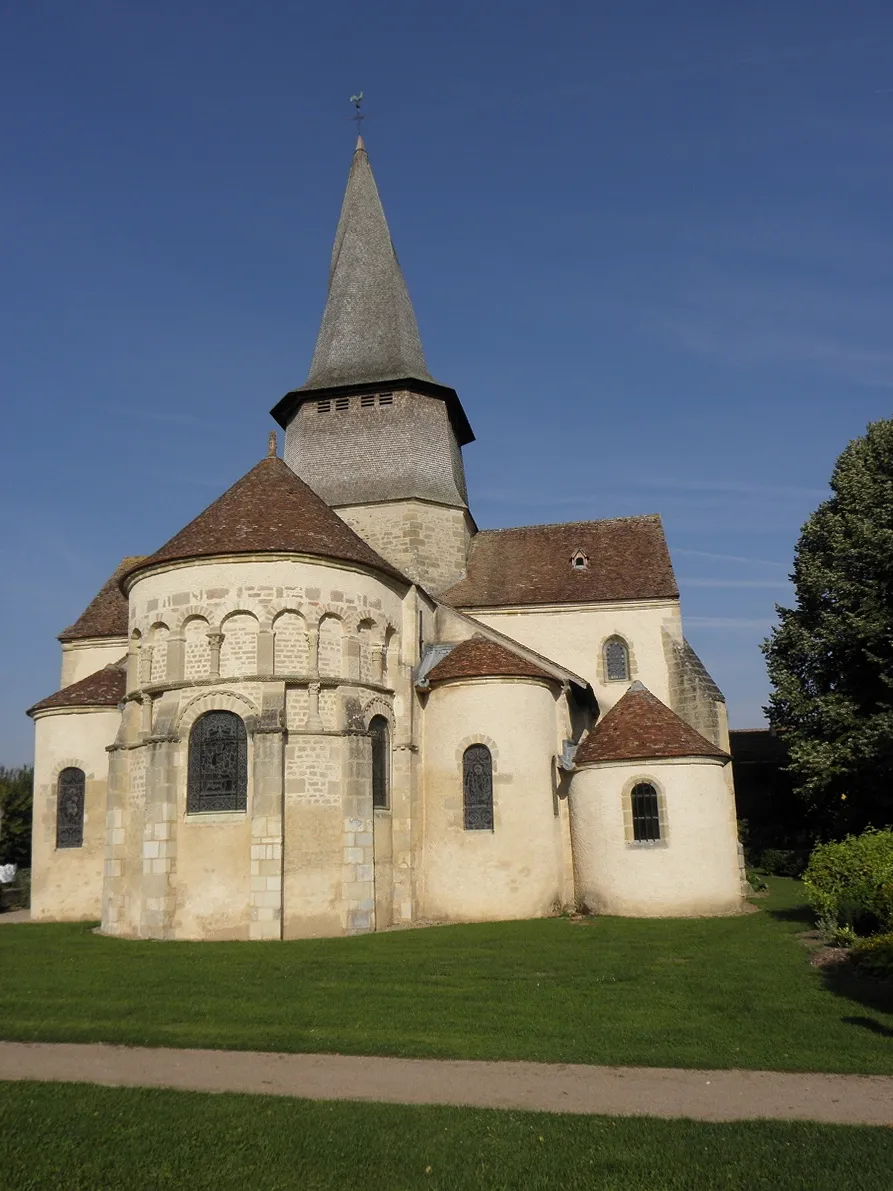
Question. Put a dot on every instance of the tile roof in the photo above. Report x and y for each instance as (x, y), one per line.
(480, 658)
(627, 560)
(269, 510)
(104, 688)
(106, 614)
(639, 726)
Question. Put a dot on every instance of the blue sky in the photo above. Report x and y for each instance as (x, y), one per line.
(648, 243)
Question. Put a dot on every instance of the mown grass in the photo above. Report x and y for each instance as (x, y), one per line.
(727, 992)
(74, 1137)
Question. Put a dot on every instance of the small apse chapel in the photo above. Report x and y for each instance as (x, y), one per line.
(331, 704)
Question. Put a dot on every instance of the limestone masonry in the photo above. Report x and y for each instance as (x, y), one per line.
(330, 704)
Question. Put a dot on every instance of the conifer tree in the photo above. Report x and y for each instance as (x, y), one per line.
(830, 658)
(16, 787)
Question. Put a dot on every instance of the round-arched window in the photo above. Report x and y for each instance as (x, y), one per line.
(381, 762)
(218, 764)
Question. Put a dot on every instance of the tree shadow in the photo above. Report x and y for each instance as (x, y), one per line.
(800, 913)
(842, 980)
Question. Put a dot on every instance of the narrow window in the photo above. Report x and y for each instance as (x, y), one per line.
(70, 808)
(381, 761)
(385, 398)
(646, 819)
(367, 400)
(218, 764)
(477, 788)
(323, 407)
(616, 660)
(342, 403)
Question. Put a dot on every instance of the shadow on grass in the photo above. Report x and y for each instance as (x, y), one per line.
(801, 913)
(865, 990)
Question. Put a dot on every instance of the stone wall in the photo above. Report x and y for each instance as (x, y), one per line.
(426, 542)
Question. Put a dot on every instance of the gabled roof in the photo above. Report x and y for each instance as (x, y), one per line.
(640, 727)
(268, 511)
(104, 688)
(480, 658)
(626, 559)
(369, 331)
(106, 614)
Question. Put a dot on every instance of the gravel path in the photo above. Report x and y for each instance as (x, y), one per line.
(548, 1087)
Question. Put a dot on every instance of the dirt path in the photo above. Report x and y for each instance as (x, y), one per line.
(617, 1091)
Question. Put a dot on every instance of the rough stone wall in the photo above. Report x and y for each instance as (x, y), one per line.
(694, 696)
(353, 450)
(426, 542)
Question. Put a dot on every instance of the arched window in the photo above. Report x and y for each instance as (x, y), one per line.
(477, 788)
(381, 761)
(616, 660)
(646, 816)
(70, 808)
(218, 764)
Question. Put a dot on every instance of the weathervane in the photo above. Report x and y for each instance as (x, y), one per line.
(356, 100)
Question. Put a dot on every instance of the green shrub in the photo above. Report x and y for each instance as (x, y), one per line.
(875, 956)
(851, 881)
(755, 881)
(782, 862)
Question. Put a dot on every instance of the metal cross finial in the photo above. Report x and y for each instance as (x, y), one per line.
(356, 100)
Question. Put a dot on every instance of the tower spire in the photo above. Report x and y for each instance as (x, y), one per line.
(369, 331)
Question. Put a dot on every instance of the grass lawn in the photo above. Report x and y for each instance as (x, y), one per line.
(722, 992)
(72, 1136)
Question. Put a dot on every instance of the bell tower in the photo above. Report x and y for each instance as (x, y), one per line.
(371, 431)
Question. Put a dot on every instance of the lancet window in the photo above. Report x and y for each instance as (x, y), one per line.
(381, 762)
(218, 764)
(616, 660)
(646, 814)
(477, 788)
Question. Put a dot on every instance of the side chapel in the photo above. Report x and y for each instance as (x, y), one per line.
(331, 704)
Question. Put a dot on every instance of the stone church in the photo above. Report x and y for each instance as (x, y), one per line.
(331, 704)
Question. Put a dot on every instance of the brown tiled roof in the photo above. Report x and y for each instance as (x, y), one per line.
(480, 658)
(104, 688)
(627, 560)
(270, 510)
(639, 726)
(106, 614)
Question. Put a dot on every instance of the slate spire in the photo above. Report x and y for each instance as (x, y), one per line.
(369, 331)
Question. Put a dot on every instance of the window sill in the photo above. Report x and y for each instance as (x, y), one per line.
(647, 843)
(214, 816)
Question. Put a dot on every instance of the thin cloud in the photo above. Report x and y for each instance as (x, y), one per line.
(762, 562)
(699, 582)
(726, 622)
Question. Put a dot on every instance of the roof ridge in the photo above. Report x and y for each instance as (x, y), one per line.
(568, 524)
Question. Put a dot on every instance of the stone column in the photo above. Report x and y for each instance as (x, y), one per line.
(145, 664)
(266, 835)
(159, 844)
(114, 870)
(265, 652)
(133, 665)
(176, 658)
(215, 640)
(313, 650)
(146, 715)
(358, 863)
(314, 719)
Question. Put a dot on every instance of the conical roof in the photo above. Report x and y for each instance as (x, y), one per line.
(369, 331)
(103, 688)
(640, 727)
(269, 511)
(479, 657)
(106, 614)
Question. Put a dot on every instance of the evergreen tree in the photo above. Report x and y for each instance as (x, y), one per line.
(830, 659)
(16, 791)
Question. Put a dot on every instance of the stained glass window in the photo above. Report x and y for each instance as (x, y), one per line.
(646, 819)
(477, 788)
(70, 808)
(218, 764)
(616, 660)
(381, 760)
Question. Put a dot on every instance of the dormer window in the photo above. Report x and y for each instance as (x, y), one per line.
(579, 560)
